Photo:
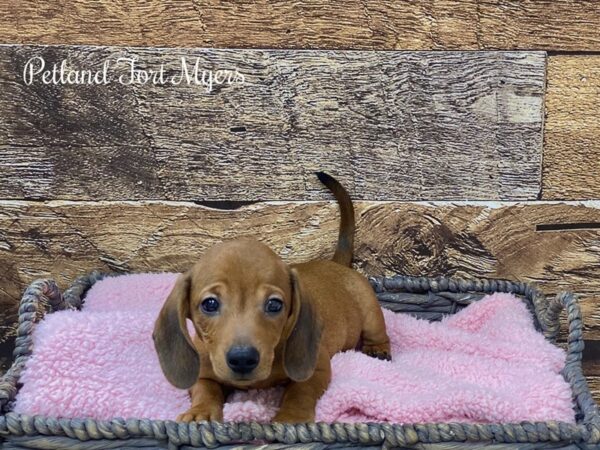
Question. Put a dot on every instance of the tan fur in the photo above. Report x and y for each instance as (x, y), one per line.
(328, 307)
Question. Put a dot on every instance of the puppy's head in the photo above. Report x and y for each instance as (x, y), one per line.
(247, 307)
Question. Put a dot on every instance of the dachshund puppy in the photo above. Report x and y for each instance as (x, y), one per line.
(260, 322)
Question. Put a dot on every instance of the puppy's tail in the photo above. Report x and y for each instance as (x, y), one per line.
(345, 245)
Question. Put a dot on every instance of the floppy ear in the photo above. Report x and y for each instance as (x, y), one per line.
(178, 358)
(302, 345)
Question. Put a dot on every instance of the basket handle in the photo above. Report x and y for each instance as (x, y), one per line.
(40, 297)
(573, 371)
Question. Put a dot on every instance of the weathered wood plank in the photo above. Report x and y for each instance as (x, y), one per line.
(572, 148)
(402, 125)
(63, 239)
(380, 25)
(594, 385)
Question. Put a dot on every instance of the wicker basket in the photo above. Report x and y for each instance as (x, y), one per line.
(423, 297)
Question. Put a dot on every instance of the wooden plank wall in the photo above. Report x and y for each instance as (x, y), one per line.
(541, 226)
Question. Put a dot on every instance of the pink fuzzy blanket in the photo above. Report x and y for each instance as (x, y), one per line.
(484, 364)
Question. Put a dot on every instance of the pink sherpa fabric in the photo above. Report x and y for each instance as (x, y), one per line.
(484, 364)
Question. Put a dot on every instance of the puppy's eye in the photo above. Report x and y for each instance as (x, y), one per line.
(273, 305)
(210, 305)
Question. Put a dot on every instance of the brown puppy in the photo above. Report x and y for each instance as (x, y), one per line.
(260, 323)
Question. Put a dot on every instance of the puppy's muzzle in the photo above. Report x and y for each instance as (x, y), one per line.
(242, 359)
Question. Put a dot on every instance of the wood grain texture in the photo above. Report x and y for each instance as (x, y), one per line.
(358, 24)
(590, 310)
(572, 148)
(400, 125)
(594, 385)
(62, 239)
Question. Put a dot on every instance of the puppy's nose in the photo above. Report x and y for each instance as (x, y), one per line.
(242, 359)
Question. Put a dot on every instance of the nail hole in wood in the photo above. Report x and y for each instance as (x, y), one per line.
(238, 129)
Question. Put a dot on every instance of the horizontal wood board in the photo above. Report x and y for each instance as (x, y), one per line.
(565, 25)
(493, 240)
(389, 125)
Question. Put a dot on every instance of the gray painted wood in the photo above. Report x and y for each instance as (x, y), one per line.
(389, 125)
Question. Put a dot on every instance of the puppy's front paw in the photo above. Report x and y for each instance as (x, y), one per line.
(201, 413)
(379, 351)
(289, 416)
